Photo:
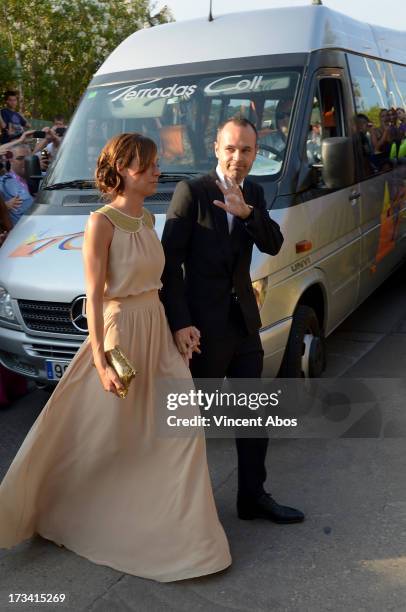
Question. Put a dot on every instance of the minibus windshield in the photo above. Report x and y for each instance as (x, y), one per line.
(181, 114)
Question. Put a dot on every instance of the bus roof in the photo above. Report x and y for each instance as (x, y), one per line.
(299, 29)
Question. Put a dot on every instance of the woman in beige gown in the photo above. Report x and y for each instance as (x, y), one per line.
(91, 474)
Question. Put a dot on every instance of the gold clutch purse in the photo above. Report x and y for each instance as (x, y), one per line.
(123, 368)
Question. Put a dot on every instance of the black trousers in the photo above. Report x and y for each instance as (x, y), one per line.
(237, 355)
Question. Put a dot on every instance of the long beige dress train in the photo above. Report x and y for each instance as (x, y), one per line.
(91, 474)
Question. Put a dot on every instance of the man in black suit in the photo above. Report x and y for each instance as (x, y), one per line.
(212, 224)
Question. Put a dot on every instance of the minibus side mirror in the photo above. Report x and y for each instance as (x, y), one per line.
(33, 173)
(338, 162)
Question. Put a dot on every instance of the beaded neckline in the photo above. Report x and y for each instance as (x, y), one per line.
(125, 222)
(123, 213)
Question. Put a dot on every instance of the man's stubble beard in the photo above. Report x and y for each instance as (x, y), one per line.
(238, 176)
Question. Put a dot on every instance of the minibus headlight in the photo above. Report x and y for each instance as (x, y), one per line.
(260, 288)
(6, 308)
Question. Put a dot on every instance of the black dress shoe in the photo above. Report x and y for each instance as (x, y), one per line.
(266, 507)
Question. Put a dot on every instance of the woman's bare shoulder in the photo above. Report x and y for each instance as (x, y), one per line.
(99, 222)
(99, 229)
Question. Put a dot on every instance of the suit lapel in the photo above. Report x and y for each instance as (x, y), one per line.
(247, 191)
(219, 216)
(238, 229)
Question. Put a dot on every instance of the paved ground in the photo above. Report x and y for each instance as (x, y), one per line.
(350, 553)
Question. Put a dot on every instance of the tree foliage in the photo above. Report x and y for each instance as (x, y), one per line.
(50, 49)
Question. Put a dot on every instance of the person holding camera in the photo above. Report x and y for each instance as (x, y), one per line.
(15, 123)
(5, 148)
(47, 148)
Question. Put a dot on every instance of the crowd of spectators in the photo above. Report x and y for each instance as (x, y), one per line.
(385, 143)
(17, 143)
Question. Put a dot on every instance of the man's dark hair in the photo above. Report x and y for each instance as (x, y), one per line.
(9, 93)
(237, 120)
(362, 116)
(59, 118)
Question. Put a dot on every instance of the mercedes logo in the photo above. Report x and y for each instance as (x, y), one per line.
(78, 314)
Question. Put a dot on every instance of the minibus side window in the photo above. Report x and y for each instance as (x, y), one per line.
(326, 119)
(398, 74)
(313, 143)
(379, 90)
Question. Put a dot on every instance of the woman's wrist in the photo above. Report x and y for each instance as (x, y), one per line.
(100, 362)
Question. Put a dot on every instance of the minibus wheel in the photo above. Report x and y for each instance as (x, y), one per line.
(305, 355)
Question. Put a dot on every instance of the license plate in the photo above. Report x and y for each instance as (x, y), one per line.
(56, 369)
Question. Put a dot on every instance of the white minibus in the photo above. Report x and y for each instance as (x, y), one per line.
(328, 96)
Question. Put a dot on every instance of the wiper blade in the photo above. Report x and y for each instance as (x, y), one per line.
(175, 177)
(76, 184)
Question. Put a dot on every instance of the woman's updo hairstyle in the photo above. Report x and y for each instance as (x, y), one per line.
(120, 151)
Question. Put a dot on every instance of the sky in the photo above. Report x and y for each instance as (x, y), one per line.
(388, 13)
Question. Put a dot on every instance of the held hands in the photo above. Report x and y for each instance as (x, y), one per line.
(109, 379)
(234, 202)
(187, 341)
